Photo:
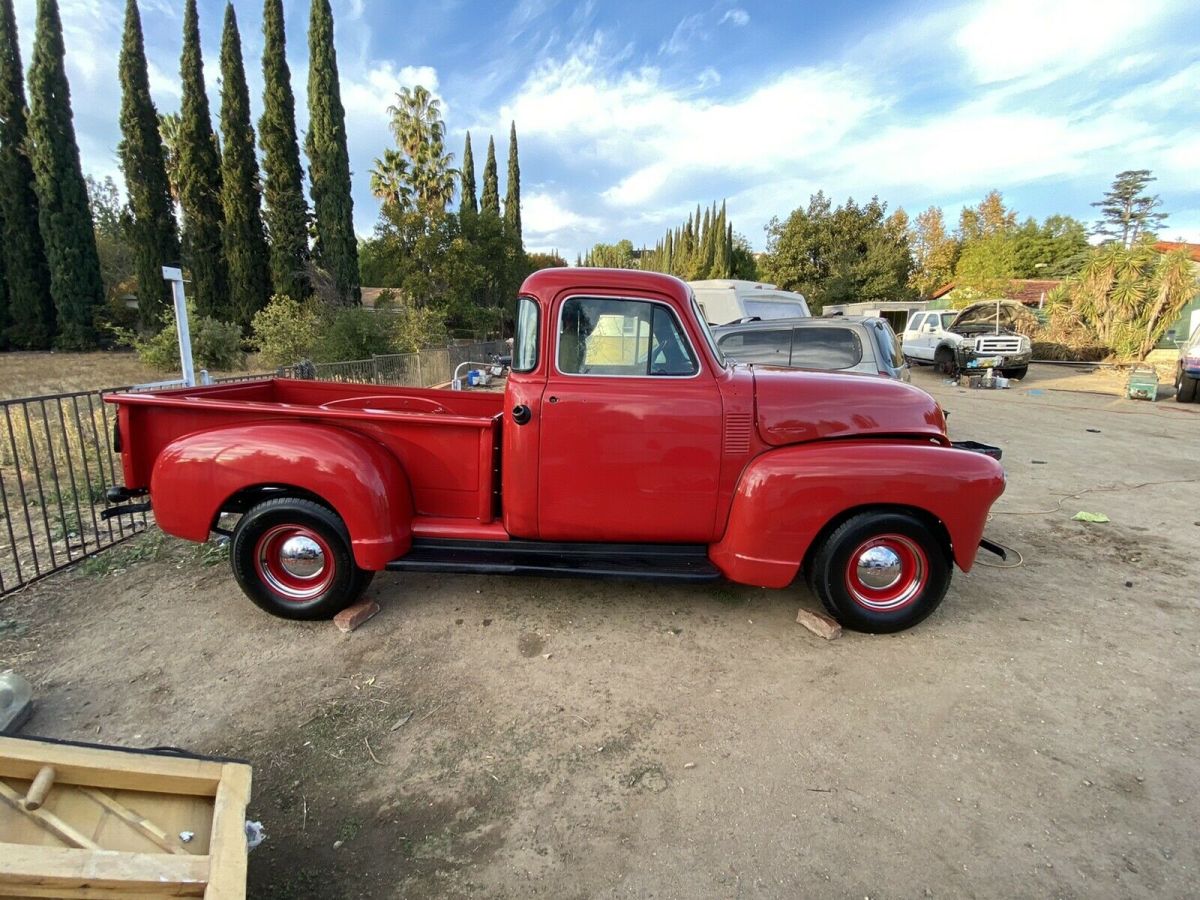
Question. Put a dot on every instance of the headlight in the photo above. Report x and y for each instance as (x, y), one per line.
(1026, 343)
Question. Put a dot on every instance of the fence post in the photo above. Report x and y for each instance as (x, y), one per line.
(175, 276)
(420, 378)
(374, 368)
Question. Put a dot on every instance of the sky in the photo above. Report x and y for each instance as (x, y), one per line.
(629, 114)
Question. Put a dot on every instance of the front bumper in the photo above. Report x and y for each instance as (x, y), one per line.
(970, 358)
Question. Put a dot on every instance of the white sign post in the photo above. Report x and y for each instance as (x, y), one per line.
(175, 276)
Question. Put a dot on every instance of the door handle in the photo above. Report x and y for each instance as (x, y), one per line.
(521, 414)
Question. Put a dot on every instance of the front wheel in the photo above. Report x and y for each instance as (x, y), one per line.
(292, 558)
(1018, 373)
(881, 572)
(943, 361)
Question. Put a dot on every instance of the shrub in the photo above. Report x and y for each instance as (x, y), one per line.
(215, 345)
(285, 331)
(352, 332)
(413, 329)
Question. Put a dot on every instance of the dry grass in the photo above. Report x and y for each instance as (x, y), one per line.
(31, 374)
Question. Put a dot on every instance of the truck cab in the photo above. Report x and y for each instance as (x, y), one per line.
(624, 445)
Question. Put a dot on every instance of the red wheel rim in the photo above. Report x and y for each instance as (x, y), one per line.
(887, 573)
(295, 562)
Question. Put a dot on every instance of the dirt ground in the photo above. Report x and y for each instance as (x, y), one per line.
(484, 737)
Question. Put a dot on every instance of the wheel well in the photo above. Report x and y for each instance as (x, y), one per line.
(932, 522)
(242, 501)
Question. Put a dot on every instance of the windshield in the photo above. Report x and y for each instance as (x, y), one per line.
(698, 315)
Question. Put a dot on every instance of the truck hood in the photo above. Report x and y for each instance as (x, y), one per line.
(794, 406)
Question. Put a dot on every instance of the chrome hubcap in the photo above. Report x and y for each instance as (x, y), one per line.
(879, 568)
(302, 557)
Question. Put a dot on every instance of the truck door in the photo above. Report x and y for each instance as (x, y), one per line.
(631, 426)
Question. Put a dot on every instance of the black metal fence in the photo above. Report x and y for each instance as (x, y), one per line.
(57, 460)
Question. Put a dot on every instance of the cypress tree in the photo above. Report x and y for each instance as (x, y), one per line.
(29, 318)
(241, 199)
(200, 181)
(155, 238)
(468, 201)
(286, 211)
(512, 196)
(64, 215)
(4, 321)
(328, 160)
(489, 204)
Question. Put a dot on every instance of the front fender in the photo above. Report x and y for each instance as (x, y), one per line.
(195, 476)
(785, 498)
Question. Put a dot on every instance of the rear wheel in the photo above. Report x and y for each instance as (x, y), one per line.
(292, 558)
(1185, 388)
(881, 572)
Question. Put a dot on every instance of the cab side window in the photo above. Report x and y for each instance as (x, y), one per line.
(632, 338)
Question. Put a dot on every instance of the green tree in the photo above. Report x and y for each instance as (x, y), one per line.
(241, 197)
(986, 266)
(153, 231)
(200, 182)
(468, 201)
(934, 252)
(990, 217)
(116, 243)
(390, 180)
(420, 135)
(512, 196)
(1056, 248)
(169, 126)
(27, 312)
(1127, 212)
(489, 204)
(336, 249)
(839, 255)
(285, 210)
(63, 215)
(1124, 298)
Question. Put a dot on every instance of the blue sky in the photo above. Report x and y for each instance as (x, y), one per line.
(631, 113)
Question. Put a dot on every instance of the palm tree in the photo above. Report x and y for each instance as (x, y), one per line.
(420, 134)
(390, 180)
(168, 127)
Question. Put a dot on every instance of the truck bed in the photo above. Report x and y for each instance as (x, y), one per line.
(447, 441)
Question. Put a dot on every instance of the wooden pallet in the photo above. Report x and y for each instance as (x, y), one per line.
(98, 822)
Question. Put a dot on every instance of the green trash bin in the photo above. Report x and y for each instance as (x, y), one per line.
(1143, 384)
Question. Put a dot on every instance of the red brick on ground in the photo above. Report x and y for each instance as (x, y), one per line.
(353, 616)
(819, 624)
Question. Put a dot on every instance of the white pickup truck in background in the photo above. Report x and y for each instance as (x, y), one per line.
(984, 335)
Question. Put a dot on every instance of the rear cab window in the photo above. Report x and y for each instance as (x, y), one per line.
(826, 348)
(771, 347)
(526, 337)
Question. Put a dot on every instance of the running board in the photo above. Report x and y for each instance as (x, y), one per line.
(639, 562)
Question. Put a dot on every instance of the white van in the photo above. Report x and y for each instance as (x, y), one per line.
(726, 300)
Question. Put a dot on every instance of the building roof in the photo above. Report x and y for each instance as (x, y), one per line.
(1029, 291)
(1193, 250)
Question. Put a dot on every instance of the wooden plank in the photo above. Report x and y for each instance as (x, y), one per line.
(135, 821)
(127, 874)
(105, 768)
(46, 820)
(227, 871)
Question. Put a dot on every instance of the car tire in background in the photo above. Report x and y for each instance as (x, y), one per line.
(1185, 388)
(292, 558)
(881, 571)
(943, 360)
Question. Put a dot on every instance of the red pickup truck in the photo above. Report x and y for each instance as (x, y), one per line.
(623, 445)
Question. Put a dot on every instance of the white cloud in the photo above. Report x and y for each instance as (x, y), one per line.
(736, 16)
(1008, 39)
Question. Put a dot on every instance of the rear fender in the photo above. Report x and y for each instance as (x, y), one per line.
(195, 476)
(786, 497)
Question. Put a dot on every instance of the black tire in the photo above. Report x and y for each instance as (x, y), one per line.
(1185, 389)
(943, 360)
(1019, 372)
(924, 576)
(255, 554)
